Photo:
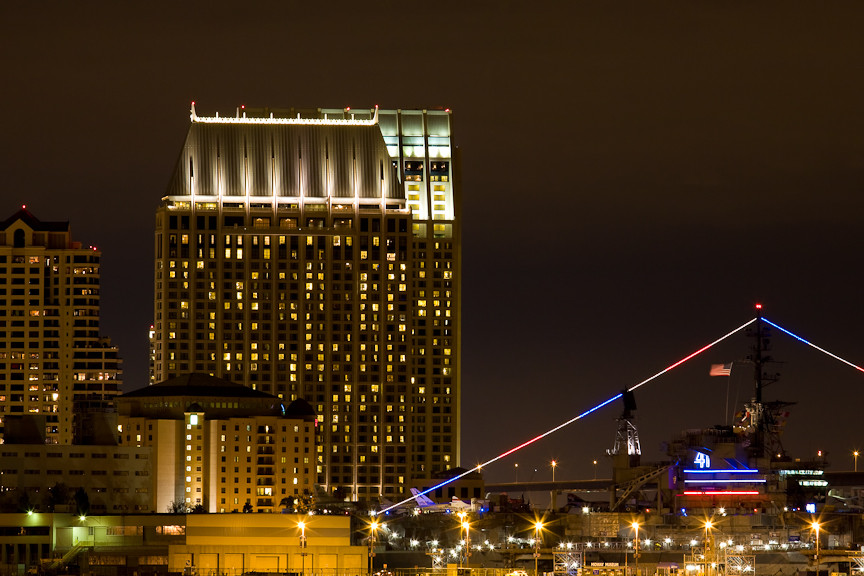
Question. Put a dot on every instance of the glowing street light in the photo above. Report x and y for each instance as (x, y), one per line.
(595, 469)
(815, 526)
(302, 526)
(635, 526)
(538, 533)
(855, 456)
(467, 526)
(708, 526)
(373, 527)
(553, 494)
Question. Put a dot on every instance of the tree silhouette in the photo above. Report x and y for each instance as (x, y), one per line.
(82, 502)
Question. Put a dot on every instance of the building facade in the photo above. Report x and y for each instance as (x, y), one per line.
(316, 255)
(161, 544)
(116, 479)
(55, 367)
(217, 446)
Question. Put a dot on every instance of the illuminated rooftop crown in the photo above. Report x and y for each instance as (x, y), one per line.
(261, 154)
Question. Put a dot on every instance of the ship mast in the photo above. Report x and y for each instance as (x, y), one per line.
(757, 448)
(765, 416)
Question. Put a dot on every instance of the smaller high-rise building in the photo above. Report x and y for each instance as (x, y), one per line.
(55, 366)
(220, 446)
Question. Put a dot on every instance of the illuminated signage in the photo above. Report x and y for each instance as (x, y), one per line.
(812, 482)
(727, 481)
(702, 461)
(722, 471)
(720, 493)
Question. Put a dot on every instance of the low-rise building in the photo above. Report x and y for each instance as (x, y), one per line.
(45, 477)
(203, 544)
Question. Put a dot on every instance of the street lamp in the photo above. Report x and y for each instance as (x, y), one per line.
(538, 532)
(708, 526)
(815, 526)
(635, 526)
(855, 456)
(373, 526)
(595, 469)
(302, 526)
(466, 525)
(552, 495)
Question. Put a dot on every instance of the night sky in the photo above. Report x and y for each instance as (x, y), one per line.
(636, 176)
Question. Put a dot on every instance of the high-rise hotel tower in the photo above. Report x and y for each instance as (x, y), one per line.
(316, 255)
(55, 367)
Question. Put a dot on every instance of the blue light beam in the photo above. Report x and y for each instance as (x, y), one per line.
(826, 352)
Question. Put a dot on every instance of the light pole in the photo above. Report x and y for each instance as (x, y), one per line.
(516, 471)
(708, 526)
(552, 495)
(815, 526)
(855, 456)
(636, 553)
(466, 525)
(595, 469)
(538, 532)
(372, 528)
(302, 526)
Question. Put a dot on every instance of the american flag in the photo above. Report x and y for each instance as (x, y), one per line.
(721, 369)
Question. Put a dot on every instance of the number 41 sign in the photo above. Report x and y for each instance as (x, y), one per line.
(702, 461)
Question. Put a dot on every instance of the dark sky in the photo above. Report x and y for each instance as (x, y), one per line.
(636, 176)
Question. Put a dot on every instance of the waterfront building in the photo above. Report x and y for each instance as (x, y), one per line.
(56, 369)
(315, 254)
(216, 446)
(150, 544)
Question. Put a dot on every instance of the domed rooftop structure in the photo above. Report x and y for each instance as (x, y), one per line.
(195, 392)
(301, 409)
(196, 383)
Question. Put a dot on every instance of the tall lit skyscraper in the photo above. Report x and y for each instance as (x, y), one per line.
(54, 365)
(316, 254)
